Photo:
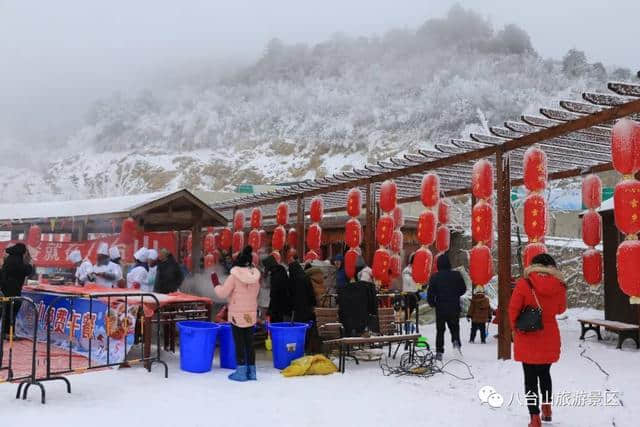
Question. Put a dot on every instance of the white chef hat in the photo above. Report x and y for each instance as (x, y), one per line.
(114, 252)
(141, 254)
(75, 256)
(103, 249)
(152, 254)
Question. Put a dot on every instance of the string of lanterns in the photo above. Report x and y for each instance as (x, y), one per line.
(426, 232)
(353, 233)
(397, 243)
(255, 238)
(314, 233)
(384, 233)
(279, 233)
(592, 229)
(480, 259)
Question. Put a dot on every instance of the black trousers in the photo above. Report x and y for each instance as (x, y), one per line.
(451, 321)
(243, 340)
(535, 375)
(475, 327)
(5, 315)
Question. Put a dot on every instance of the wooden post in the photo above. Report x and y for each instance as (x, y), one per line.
(300, 227)
(370, 224)
(503, 180)
(196, 240)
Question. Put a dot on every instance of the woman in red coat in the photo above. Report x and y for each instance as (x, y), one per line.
(539, 349)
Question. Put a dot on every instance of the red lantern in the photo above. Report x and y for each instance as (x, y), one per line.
(395, 265)
(443, 212)
(480, 265)
(209, 261)
(628, 271)
(592, 266)
(434, 266)
(535, 216)
(482, 222)
(216, 240)
(128, 231)
(316, 209)
(381, 264)
(388, 195)
(531, 251)
(430, 190)
(291, 255)
(353, 233)
(591, 191)
(292, 238)
(482, 179)
(397, 241)
(311, 256)
(263, 238)
(421, 267)
(398, 217)
(443, 238)
(625, 146)
(277, 256)
(314, 237)
(238, 221)
(255, 259)
(209, 243)
(254, 240)
(354, 202)
(256, 218)
(278, 238)
(34, 236)
(426, 232)
(384, 230)
(282, 213)
(226, 238)
(535, 169)
(626, 202)
(350, 262)
(210, 229)
(591, 228)
(216, 256)
(238, 241)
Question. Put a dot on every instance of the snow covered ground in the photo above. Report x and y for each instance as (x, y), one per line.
(362, 396)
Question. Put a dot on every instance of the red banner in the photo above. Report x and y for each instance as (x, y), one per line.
(55, 254)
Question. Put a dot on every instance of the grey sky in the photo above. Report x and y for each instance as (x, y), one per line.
(58, 56)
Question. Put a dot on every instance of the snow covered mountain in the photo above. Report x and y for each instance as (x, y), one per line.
(304, 111)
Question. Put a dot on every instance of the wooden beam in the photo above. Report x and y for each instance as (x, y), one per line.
(504, 253)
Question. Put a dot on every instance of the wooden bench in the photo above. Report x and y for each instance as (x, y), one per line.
(624, 330)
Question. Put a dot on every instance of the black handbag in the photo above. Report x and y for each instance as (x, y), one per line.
(530, 317)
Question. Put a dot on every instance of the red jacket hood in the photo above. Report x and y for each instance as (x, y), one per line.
(545, 280)
(248, 275)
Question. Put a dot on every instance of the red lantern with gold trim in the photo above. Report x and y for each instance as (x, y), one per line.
(397, 241)
(592, 191)
(354, 202)
(316, 209)
(278, 238)
(398, 217)
(535, 169)
(128, 231)
(226, 238)
(256, 218)
(535, 216)
(209, 261)
(531, 251)
(482, 179)
(626, 202)
(238, 221)
(592, 266)
(482, 222)
(421, 267)
(384, 230)
(282, 213)
(443, 212)
(350, 262)
(426, 232)
(591, 228)
(254, 240)
(443, 238)
(480, 265)
(238, 241)
(292, 238)
(314, 237)
(628, 271)
(353, 233)
(625, 146)
(34, 235)
(430, 190)
(388, 195)
(209, 243)
(381, 263)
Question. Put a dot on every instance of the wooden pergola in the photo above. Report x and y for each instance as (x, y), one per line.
(575, 136)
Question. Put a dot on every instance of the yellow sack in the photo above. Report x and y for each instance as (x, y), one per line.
(310, 365)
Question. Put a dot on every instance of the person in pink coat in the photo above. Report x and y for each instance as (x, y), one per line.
(241, 289)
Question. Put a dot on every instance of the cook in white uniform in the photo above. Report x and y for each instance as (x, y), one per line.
(114, 254)
(84, 269)
(152, 260)
(138, 275)
(107, 273)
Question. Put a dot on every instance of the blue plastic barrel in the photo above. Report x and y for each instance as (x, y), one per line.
(197, 343)
(287, 341)
(226, 346)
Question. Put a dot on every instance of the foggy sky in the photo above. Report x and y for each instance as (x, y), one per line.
(56, 57)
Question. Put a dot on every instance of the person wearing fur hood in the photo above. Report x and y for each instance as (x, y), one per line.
(241, 289)
(542, 286)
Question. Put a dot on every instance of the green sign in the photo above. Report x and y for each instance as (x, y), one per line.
(244, 188)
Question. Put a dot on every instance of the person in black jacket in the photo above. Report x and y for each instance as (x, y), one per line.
(304, 300)
(280, 293)
(444, 292)
(357, 305)
(15, 269)
(169, 276)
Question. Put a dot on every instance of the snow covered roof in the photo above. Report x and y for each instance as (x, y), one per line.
(607, 205)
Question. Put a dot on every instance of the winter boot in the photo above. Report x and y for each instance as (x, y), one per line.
(240, 374)
(251, 373)
(439, 357)
(535, 421)
(546, 412)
